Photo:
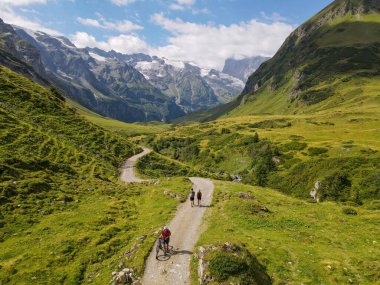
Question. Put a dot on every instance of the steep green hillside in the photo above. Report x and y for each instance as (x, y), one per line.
(46, 146)
(64, 216)
(294, 241)
(330, 63)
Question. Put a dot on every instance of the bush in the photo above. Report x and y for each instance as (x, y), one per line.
(313, 151)
(225, 131)
(294, 145)
(336, 187)
(224, 265)
(237, 266)
(349, 211)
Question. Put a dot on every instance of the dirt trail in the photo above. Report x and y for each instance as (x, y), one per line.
(185, 228)
(127, 173)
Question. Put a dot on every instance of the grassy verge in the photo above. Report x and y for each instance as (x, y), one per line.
(297, 242)
(82, 243)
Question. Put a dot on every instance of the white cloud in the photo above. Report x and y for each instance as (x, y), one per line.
(204, 44)
(21, 2)
(89, 22)
(122, 2)
(209, 45)
(186, 2)
(176, 7)
(9, 16)
(120, 26)
(127, 44)
(274, 17)
(182, 4)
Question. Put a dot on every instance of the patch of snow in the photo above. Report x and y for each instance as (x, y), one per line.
(62, 42)
(175, 63)
(31, 33)
(60, 72)
(147, 65)
(204, 72)
(97, 57)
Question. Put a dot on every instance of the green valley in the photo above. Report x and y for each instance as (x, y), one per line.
(291, 165)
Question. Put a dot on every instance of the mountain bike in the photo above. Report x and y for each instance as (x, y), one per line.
(160, 246)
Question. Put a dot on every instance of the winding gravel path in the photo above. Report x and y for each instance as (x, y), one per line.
(127, 173)
(185, 227)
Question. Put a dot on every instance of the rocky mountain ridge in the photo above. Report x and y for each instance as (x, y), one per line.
(192, 87)
(125, 95)
(243, 68)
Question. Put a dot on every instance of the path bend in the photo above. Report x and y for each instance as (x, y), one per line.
(127, 172)
(185, 228)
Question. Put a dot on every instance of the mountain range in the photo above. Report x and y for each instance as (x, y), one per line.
(129, 88)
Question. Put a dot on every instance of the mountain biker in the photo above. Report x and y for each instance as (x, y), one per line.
(165, 234)
(192, 196)
(199, 197)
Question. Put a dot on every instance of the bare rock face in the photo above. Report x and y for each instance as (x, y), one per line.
(243, 68)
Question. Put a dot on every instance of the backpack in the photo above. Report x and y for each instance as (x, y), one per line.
(199, 195)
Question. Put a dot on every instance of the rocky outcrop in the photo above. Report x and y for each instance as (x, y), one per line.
(243, 68)
(314, 193)
(212, 259)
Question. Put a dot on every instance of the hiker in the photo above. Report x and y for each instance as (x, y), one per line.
(192, 196)
(199, 197)
(165, 234)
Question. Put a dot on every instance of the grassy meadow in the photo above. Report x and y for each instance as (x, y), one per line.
(81, 243)
(297, 242)
(286, 152)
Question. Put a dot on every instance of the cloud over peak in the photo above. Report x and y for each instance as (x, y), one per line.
(209, 45)
(119, 26)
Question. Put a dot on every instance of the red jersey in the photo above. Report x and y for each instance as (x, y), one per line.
(166, 233)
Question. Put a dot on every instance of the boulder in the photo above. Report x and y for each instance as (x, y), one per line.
(244, 195)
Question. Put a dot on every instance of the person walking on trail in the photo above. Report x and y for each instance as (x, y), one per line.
(199, 197)
(165, 234)
(192, 196)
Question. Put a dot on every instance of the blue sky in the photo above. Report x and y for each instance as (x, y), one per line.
(203, 31)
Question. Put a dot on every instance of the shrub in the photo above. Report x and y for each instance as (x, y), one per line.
(294, 145)
(237, 266)
(349, 211)
(336, 187)
(224, 265)
(313, 151)
(225, 131)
